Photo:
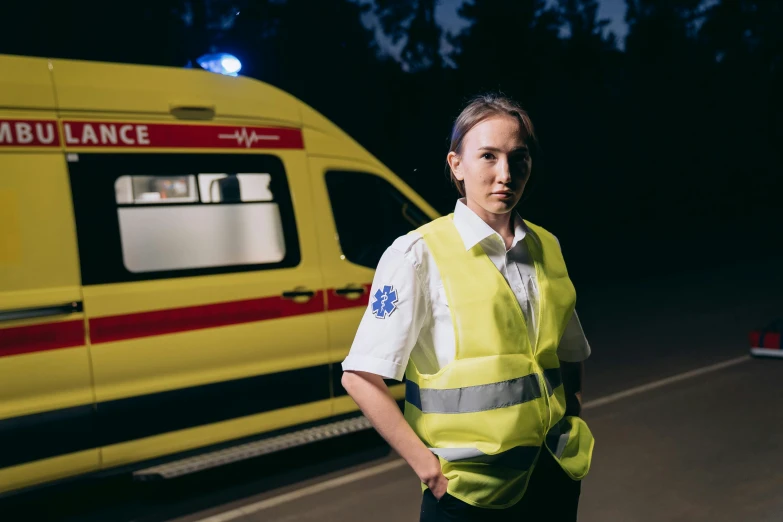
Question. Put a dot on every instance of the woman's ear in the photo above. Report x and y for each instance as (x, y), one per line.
(454, 162)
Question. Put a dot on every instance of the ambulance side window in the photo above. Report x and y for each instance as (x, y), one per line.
(369, 213)
(164, 215)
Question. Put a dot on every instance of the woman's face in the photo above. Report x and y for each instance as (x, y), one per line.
(494, 164)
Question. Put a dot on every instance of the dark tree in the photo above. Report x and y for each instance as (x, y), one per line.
(414, 22)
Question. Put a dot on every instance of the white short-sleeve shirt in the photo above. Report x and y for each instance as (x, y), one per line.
(410, 317)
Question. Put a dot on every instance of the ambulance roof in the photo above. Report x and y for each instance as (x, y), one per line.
(83, 88)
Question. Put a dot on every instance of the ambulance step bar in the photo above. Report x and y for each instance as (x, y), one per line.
(252, 449)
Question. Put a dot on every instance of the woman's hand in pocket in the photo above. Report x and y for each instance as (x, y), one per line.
(439, 486)
(433, 477)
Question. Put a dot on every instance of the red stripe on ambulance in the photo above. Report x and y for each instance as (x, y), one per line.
(177, 320)
(41, 337)
(162, 136)
(67, 334)
(125, 135)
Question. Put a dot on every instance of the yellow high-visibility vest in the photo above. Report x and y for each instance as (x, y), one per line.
(489, 413)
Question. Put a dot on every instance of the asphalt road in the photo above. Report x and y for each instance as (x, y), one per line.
(703, 448)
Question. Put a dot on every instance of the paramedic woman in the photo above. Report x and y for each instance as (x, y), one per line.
(476, 311)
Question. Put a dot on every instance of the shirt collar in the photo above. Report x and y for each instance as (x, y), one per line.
(473, 230)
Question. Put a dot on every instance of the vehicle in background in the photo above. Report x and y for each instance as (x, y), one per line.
(184, 261)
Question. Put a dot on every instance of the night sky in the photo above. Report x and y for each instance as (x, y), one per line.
(446, 14)
(614, 10)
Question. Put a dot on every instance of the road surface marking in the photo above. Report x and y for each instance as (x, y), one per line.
(394, 464)
(663, 382)
(309, 490)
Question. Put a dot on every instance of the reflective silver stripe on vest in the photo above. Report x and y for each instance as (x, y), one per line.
(557, 439)
(553, 379)
(519, 458)
(474, 398)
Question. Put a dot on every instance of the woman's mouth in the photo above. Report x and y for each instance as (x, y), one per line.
(503, 195)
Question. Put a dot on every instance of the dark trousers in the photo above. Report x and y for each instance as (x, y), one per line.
(551, 495)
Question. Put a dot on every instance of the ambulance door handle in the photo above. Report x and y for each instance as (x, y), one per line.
(298, 294)
(43, 311)
(348, 290)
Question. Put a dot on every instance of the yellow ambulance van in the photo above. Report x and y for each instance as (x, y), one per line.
(184, 260)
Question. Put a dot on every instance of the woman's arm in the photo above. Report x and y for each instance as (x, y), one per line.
(572, 352)
(373, 397)
(573, 374)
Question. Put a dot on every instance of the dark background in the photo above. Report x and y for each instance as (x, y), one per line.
(660, 170)
(659, 152)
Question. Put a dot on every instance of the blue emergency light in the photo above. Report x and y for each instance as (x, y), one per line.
(221, 63)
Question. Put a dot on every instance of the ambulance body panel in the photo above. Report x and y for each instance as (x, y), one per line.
(114, 89)
(26, 83)
(172, 270)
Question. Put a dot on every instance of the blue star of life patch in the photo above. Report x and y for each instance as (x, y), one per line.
(385, 302)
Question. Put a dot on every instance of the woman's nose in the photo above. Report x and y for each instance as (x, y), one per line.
(503, 174)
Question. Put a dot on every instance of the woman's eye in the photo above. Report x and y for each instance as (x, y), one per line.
(488, 156)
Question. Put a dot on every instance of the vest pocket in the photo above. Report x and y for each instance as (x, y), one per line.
(571, 443)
